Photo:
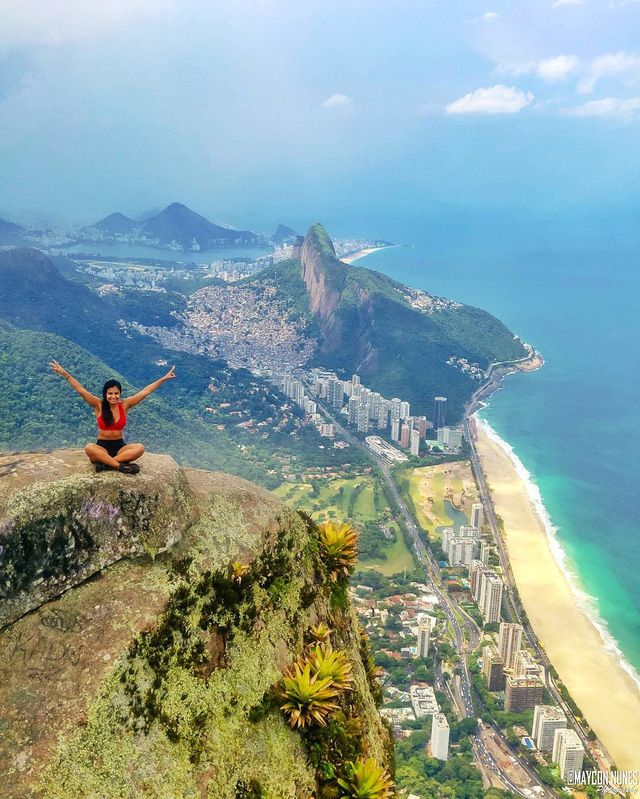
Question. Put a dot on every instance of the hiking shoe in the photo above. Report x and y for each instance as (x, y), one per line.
(104, 467)
(129, 468)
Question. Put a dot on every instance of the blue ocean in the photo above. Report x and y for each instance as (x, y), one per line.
(571, 290)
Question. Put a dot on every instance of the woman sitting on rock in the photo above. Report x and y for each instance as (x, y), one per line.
(110, 452)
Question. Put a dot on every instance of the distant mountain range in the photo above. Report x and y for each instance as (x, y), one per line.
(176, 226)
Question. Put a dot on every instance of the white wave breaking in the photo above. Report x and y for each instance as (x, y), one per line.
(587, 603)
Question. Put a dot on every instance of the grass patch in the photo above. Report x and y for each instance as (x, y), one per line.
(398, 558)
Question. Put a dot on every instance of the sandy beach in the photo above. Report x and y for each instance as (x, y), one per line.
(348, 259)
(604, 691)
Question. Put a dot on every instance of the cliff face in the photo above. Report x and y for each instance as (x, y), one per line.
(152, 672)
(316, 256)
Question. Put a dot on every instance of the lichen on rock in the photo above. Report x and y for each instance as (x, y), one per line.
(156, 677)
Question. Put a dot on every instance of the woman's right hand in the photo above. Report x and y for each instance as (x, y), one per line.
(60, 370)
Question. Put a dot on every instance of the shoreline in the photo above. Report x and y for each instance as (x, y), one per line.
(587, 658)
(349, 259)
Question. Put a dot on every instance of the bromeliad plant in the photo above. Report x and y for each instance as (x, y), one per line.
(339, 545)
(310, 698)
(365, 779)
(320, 633)
(327, 662)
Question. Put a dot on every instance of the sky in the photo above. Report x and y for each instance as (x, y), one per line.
(354, 112)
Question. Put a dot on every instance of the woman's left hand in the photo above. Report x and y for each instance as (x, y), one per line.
(171, 374)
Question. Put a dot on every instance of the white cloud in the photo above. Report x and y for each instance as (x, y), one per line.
(495, 100)
(567, 3)
(558, 68)
(489, 15)
(549, 69)
(337, 101)
(608, 107)
(32, 22)
(610, 65)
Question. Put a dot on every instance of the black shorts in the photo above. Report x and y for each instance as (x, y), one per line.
(112, 447)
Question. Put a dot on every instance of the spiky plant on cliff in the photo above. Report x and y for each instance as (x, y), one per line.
(365, 779)
(327, 662)
(310, 699)
(320, 633)
(339, 544)
(237, 571)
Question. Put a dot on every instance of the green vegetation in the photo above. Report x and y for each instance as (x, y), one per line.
(339, 547)
(362, 499)
(366, 779)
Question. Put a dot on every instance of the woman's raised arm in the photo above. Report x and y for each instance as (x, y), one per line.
(136, 398)
(87, 396)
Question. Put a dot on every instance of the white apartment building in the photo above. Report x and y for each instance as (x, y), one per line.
(546, 720)
(509, 642)
(440, 737)
(490, 596)
(568, 752)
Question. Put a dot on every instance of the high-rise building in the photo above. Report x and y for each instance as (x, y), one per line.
(354, 404)
(404, 436)
(374, 406)
(383, 415)
(395, 408)
(522, 693)
(355, 380)
(424, 631)
(440, 737)
(485, 551)
(546, 720)
(415, 442)
(462, 550)
(493, 668)
(490, 596)
(477, 515)
(568, 753)
(405, 410)
(526, 666)
(395, 430)
(509, 642)
(363, 418)
(439, 412)
(476, 569)
(421, 426)
(450, 437)
(447, 534)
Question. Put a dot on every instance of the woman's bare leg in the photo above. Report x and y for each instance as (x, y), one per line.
(130, 452)
(98, 454)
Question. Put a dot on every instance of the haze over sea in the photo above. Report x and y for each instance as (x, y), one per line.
(570, 290)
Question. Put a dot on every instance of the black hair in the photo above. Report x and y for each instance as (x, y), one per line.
(107, 416)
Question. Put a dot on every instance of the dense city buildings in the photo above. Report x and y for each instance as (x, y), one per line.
(440, 737)
(546, 720)
(509, 642)
(568, 752)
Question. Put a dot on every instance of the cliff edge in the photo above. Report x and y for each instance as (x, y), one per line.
(135, 660)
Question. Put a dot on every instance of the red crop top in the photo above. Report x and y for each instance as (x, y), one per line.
(119, 425)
